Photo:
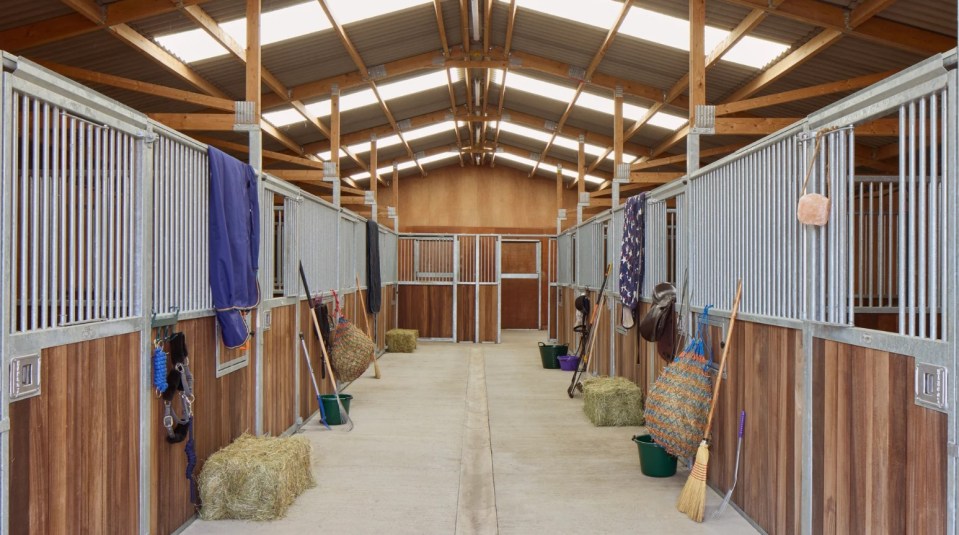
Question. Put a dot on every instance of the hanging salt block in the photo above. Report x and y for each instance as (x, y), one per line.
(813, 209)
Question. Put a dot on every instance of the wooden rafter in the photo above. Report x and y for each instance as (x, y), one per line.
(744, 27)
(358, 61)
(74, 24)
(85, 75)
(267, 154)
(593, 65)
(850, 84)
(441, 26)
(508, 43)
(882, 31)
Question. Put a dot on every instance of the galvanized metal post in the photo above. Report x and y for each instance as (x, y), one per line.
(145, 208)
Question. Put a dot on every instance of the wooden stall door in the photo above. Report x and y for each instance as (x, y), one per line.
(521, 285)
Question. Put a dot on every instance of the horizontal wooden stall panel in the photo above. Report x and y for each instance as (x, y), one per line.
(280, 350)
(880, 460)
(386, 317)
(74, 456)
(428, 309)
(223, 411)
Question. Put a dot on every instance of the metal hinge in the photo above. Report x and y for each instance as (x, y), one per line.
(4, 425)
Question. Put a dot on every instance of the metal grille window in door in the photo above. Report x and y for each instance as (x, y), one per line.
(75, 191)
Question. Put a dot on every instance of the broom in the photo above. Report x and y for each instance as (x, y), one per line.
(692, 500)
(366, 330)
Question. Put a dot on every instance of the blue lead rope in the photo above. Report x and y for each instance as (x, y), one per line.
(190, 451)
(159, 369)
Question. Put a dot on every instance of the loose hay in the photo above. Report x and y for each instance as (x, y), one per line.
(255, 478)
(401, 340)
(615, 401)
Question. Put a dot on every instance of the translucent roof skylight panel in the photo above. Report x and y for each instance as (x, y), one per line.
(412, 85)
(754, 52)
(573, 144)
(542, 88)
(191, 45)
(283, 117)
(282, 24)
(430, 130)
(665, 30)
(525, 131)
(438, 157)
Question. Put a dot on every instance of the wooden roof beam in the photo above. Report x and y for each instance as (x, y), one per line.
(88, 19)
(267, 154)
(508, 43)
(877, 30)
(593, 65)
(441, 27)
(358, 61)
(849, 84)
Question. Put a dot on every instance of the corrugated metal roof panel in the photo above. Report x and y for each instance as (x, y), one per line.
(645, 62)
(396, 36)
(23, 12)
(934, 15)
(556, 38)
(306, 59)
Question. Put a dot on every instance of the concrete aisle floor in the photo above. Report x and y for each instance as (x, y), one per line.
(435, 452)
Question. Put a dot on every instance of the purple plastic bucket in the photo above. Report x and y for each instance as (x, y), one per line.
(568, 362)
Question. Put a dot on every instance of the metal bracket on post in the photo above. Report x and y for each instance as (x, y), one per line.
(244, 115)
(560, 217)
(332, 175)
(704, 122)
(370, 201)
(620, 176)
(391, 214)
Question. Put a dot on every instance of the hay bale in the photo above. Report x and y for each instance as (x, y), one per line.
(255, 478)
(612, 401)
(401, 340)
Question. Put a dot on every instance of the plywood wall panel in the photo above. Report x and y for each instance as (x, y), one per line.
(520, 304)
(74, 456)
(498, 199)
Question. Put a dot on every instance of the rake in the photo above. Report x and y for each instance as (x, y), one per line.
(316, 388)
(587, 347)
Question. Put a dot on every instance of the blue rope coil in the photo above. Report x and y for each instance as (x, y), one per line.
(159, 369)
(190, 451)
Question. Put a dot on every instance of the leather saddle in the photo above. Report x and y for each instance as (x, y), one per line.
(659, 324)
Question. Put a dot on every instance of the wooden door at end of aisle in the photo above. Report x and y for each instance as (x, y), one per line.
(520, 285)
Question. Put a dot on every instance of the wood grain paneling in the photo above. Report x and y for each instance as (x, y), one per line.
(879, 459)
(223, 411)
(519, 257)
(499, 199)
(466, 313)
(489, 310)
(74, 457)
(428, 309)
(279, 374)
(520, 304)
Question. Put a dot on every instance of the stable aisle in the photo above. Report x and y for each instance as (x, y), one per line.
(463, 438)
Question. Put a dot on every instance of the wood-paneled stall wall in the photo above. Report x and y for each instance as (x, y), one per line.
(880, 460)
(75, 448)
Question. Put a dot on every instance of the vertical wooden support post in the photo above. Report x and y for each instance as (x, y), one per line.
(254, 76)
(697, 77)
(335, 127)
(618, 135)
(374, 176)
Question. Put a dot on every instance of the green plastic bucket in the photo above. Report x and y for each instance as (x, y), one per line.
(332, 409)
(653, 459)
(548, 354)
